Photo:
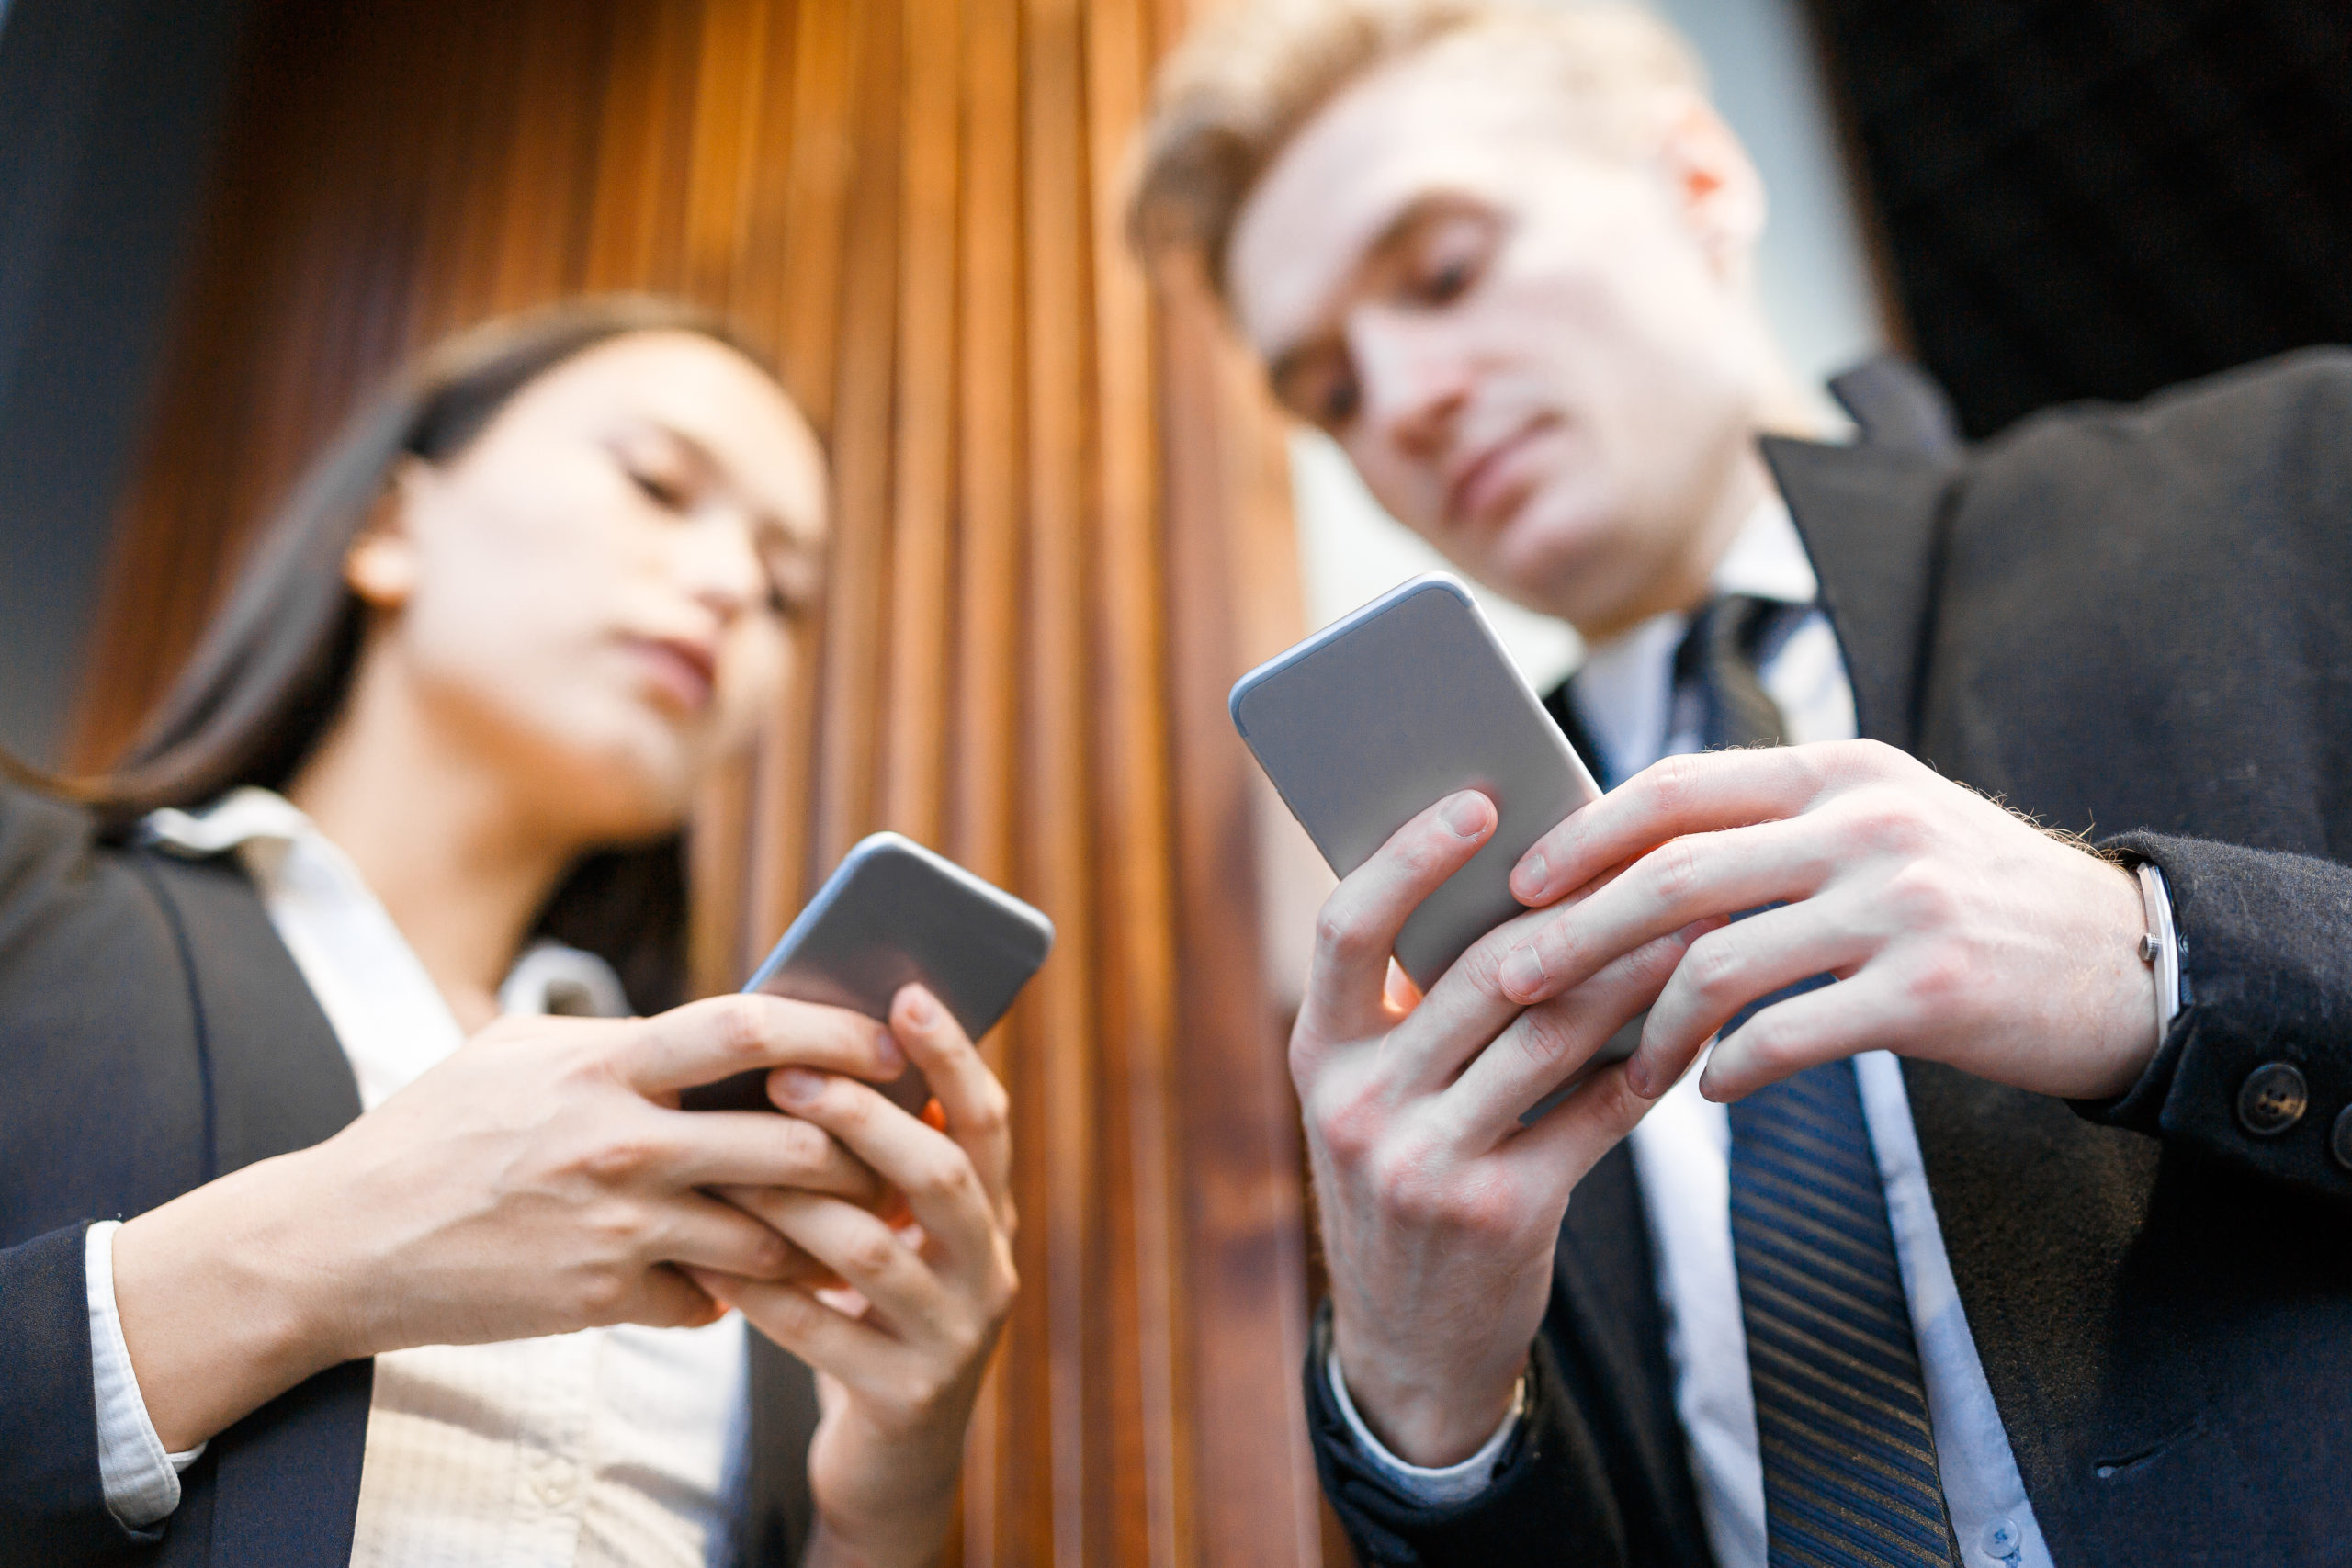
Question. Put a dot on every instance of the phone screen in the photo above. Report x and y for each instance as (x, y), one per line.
(894, 913)
(1370, 721)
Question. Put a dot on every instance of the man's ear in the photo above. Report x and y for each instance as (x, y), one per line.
(1713, 186)
(381, 565)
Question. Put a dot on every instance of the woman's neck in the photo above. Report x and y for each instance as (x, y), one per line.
(460, 860)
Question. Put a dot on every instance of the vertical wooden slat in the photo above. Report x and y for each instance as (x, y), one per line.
(1244, 1226)
(798, 291)
(1061, 1148)
(1058, 533)
(990, 438)
(1135, 850)
(856, 581)
(922, 536)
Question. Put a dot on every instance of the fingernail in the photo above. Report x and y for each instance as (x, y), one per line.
(1522, 970)
(1466, 814)
(919, 1007)
(1530, 876)
(1637, 1077)
(888, 1050)
(795, 1084)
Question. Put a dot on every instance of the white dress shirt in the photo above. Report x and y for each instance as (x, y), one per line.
(607, 1447)
(1681, 1150)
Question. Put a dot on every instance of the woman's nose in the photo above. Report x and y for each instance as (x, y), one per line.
(721, 565)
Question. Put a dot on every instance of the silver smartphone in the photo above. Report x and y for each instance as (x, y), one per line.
(1375, 718)
(894, 912)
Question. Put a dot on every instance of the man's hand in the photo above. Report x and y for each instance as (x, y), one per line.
(1962, 933)
(1438, 1211)
(536, 1182)
(900, 1365)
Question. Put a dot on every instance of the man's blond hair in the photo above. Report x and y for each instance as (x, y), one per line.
(1236, 91)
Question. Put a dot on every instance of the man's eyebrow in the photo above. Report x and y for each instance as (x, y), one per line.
(1384, 246)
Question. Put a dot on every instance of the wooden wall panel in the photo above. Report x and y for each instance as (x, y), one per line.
(1061, 530)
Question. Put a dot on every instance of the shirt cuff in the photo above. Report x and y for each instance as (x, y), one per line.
(141, 1481)
(1438, 1488)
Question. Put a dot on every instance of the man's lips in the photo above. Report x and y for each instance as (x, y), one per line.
(1493, 478)
(682, 672)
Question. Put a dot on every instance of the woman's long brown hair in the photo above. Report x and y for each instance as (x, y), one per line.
(275, 665)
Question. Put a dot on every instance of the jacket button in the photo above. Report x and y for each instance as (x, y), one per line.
(2272, 1099)
(2340, 1143)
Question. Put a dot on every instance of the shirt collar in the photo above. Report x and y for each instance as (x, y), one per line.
(265, 829)
(1625, 691)
(231, 822)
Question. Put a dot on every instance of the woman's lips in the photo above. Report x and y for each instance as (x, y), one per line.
(684, 674)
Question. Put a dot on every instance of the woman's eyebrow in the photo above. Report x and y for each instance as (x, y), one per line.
(795, 532)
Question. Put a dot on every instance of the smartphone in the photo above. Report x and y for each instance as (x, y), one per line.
(1377, 717)
(894, 912)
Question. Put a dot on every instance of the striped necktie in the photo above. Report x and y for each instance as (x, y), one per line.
(1841, 1409)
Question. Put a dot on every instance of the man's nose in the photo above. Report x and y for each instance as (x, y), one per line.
(1412, 379)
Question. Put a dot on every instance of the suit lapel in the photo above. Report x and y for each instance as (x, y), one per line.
(1868, 517)
(277, 1075)
(778, 1512)
(282, 1485)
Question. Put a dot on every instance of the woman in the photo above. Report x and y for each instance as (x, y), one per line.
(380, 1298)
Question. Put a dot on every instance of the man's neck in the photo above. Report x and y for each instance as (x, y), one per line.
(1685, 579)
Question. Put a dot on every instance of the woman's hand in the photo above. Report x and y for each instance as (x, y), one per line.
(537, 1182)
(897, 1377)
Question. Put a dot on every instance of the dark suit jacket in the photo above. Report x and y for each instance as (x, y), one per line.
(154, 1034)
(2136, 623)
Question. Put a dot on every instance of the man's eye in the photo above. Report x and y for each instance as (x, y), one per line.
(665, 493)
(1338, 401)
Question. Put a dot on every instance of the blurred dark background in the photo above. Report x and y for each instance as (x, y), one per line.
(2093, 199)
(2072, 198)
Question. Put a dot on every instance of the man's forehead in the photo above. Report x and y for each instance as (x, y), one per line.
(1438, 122)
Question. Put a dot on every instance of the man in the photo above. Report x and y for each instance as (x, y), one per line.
(1903, 1303)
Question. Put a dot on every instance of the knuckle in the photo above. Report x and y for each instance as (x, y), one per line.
(1670, 782)
(1887, 820)
(1338, 934)
(1769, 1044)
(1939, 978)
(790, 1313)
(870, 1252)
(1544, 1037)
(991, 1106)
(1922, 897)
(771, 1254)
(949, 1176)
(739, 1025)
(603, 1292)
(805, 1145)
(1674, 870)
(1349, 1121)
(1715, 966)
(1406, 1183)
(622, 1160)
(620, 1225)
